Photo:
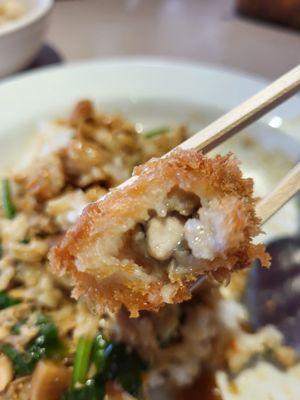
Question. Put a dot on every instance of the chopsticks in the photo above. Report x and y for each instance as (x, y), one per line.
(285, 190)
(245, 113)
(241, 116)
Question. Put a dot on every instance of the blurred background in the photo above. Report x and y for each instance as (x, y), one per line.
(257, 36)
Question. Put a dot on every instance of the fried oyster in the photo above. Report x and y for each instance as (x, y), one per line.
(143, 245)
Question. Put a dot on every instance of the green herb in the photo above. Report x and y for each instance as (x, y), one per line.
(156, 132)
(47, 341)
(25, 241)
(115, 361)
(124, 366)
(99, 352)
(45, 344)
(7, 301)
(91, 390)
(8, 207)
(23, 362)
(82, 359)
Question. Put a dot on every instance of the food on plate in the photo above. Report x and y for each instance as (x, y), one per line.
(72, 162)
(53, 347)
(10, 10)
(181, 217)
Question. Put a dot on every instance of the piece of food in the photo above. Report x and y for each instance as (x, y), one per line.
(50, 381)
(6, 372)
(11, 10)
(143, 244)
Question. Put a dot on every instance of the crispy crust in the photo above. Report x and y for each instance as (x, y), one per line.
(107, 281)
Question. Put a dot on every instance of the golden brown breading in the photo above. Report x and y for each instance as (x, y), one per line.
(106, 254)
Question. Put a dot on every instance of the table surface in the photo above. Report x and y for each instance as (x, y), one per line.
(197, 30)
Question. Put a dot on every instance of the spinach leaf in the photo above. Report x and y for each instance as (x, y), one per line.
(7, 301)
(113, 361)
(124, 366)
(23, 363)
(45, 344)
(117, 362)
(47, 340)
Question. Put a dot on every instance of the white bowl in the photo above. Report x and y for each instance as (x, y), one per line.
(21, 39)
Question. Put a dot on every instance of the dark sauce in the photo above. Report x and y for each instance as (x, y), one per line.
(204, 388)
(273, 295)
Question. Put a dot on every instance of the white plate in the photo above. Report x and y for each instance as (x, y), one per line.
(155, 92)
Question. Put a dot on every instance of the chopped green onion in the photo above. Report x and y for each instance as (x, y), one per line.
(7, 301)
(156, 132)
(91, 390)
(82, 360)
(8, 207)
(113, 361)
(99, 352)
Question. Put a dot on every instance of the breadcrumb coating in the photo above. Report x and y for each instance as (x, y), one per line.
(105, 253)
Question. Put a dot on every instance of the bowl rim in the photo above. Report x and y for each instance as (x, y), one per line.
(40, 9)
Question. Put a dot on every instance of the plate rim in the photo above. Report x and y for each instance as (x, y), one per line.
(241, 80)
(145, 60)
